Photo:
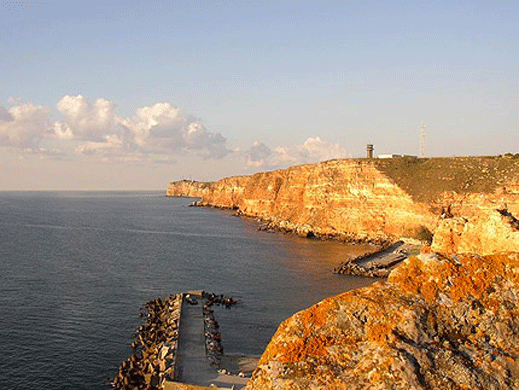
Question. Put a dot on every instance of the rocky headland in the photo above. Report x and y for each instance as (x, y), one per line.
(365, 198)
(447, 318)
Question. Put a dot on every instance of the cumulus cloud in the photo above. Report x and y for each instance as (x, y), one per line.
(5, 116)
(258, 154)
(24, 126)
(154, 134)
(311, 151)
(164, 127)
(160, 129)
(84, 120)
(112, 144)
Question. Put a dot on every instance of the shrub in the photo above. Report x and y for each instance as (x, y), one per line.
(424, 234)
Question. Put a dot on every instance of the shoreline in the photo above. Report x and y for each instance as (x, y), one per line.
(269, 226)
(379, 263)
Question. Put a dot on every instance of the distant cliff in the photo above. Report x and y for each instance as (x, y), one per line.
(365, 198)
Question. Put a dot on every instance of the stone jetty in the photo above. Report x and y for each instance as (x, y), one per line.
(179, 346)
(155, 346)
(380, 263)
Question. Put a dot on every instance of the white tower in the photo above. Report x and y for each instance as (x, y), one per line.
(422, 140)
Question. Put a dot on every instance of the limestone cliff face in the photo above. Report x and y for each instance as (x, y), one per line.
(491, 231)
(447, 319)
(366, 198)
(332, 198)
(437, 323)
(187, 188)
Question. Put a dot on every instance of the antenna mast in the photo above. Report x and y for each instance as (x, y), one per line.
(422, 140)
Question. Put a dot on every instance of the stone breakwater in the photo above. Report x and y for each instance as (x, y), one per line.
(368, 199)
(155, 345)
(380, 263)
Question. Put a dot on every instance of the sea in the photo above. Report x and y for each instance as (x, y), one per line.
(77, 267)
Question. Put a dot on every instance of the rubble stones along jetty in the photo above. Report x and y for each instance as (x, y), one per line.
(213, 338)
(155, 345)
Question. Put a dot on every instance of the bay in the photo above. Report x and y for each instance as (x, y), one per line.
(76, 267)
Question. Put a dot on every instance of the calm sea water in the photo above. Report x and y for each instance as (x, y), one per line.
(75, 268)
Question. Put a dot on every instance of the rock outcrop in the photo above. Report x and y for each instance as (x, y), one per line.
(187, 188)
(364, 198)
(493, 231)
(441, 321)
(438, 323)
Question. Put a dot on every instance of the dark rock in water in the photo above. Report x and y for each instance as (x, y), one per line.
(213, 298)
(155, 345)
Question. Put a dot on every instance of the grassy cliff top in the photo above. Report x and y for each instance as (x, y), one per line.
(426, 178)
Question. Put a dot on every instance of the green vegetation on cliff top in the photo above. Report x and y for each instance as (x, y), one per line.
(426, 178)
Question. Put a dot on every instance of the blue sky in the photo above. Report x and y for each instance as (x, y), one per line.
(206, 89)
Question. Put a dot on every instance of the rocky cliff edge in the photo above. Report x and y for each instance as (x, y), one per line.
(365, 198)
(446, 319)
(441, 321)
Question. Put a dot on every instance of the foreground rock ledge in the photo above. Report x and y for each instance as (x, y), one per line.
(437, 323)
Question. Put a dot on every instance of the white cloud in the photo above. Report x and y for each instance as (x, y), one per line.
(24, 127)
(84, 120)
(62, 130)
(311, 151)
(5, 116)
(258, 154)
(111, 145)
(161, 129)
(165, 128)
(155, 134)
(315, 149)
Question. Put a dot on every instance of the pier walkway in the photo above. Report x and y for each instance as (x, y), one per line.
(193, 367)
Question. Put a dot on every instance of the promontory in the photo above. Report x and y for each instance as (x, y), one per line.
(447, 318)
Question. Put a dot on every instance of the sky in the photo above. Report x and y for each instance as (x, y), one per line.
(98, 95)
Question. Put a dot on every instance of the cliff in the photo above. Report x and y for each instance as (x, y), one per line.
(187, 188)
(365, 198)
(445, 320)
(490, 232)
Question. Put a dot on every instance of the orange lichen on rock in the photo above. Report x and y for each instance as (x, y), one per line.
(316, 315)
(437, 323)
(379, 333)
(466, 275)
(307, 343)
(300, 349)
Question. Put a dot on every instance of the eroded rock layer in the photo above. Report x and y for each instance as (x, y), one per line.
(365, 198)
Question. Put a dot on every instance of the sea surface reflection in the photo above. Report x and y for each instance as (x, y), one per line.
(77, 266)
